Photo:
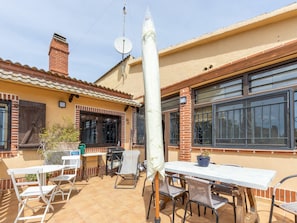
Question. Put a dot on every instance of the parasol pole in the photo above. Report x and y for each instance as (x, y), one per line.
(157, 199)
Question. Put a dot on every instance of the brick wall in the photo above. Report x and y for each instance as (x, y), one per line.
(58, 55)
(185, 126)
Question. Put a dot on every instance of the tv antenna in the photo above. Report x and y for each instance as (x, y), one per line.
(122, 44)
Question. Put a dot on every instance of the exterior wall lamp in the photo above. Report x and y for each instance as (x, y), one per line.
(183, 100)
(62, 104)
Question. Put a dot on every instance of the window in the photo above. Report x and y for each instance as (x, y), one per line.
(295, 118)
(5, 126)
(31, 123)
(276, 77)
(100, 129)
(256, 110)
(219, 91)
(140, 126)
(203, 126)
(255, 121)
(174, 128)
(204, 97)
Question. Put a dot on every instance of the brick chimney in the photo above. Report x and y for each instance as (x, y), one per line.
(58, 55)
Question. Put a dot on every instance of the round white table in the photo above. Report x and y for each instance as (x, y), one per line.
(47, 169)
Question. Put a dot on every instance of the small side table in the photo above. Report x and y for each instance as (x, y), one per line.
(84, 159)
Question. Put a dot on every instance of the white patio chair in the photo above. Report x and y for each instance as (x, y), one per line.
(128, 170)
(67, 176)
(290, 207)
(201, 194)
(30, 190)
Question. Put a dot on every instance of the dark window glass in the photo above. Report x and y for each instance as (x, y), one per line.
(140, 127)
(202, 129)
(31, 123)
(295, 117)
(203, 126)
(256, 121)
(282, 76)
(5, 124)
(219, 91)
(170, 103)
(100, 129)
(174, 128)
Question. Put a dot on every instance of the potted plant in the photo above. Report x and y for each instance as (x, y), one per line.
(57, 140)
(203, 159)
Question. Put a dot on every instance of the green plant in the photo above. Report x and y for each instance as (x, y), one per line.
(59, 132)
(205, 153)
(33, 177)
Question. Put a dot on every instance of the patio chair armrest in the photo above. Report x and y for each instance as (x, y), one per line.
(282, 181)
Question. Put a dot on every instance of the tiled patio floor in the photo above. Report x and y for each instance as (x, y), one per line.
(98, 201)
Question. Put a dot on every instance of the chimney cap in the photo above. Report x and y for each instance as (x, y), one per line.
(59, 37)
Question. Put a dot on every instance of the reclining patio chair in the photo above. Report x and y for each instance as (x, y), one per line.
(128, 173)
(290, 207)
(31, 190)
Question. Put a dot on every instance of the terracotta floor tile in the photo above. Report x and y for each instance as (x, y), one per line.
(98, 201)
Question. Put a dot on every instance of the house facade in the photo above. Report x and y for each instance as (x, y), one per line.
(232, 92)
(32, 99)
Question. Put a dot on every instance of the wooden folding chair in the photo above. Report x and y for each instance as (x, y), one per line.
(30, 190)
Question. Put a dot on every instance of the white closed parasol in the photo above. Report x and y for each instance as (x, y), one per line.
(153, 115)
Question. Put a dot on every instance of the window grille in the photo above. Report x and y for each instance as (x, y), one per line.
(100, 129)
(254, 121)
(203, 126)
(174, 128)
(5, 125)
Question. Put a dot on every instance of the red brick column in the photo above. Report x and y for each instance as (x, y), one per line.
(185, 132)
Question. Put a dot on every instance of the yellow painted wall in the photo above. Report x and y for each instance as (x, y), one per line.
(216, 49)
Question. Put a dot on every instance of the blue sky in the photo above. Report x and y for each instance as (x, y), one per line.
(91, 26)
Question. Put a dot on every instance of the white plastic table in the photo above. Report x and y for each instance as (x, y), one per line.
(244, 178)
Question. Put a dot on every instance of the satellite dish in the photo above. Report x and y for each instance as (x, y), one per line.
(123, 45)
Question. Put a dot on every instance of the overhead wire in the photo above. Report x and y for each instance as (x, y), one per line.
(95, 21)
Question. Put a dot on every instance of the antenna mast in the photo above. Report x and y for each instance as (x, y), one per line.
(122, 44)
